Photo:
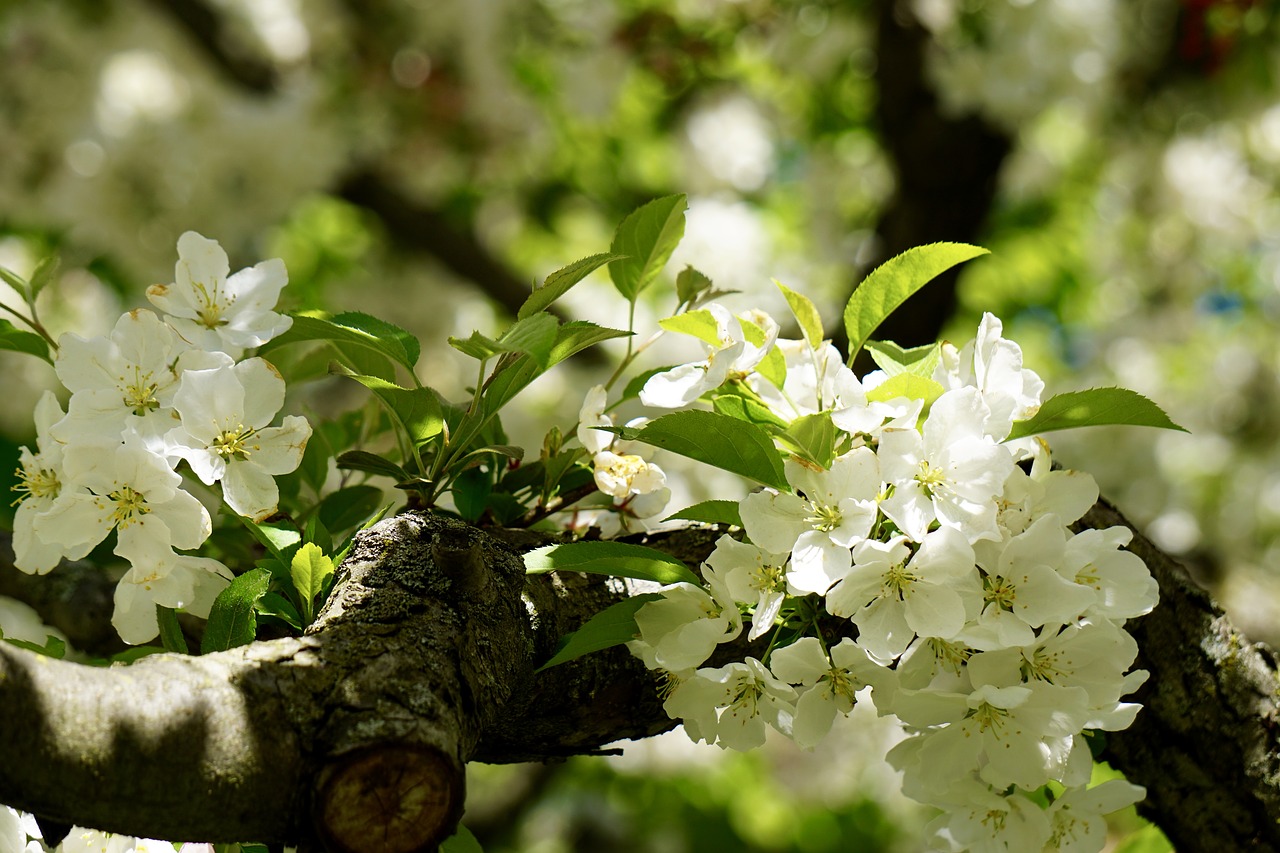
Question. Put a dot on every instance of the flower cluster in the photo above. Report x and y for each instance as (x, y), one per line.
(638, 487)
(932, 560)
(152, 393)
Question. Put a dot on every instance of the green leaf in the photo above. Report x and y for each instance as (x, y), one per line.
(700, 324)
(362, 460)
(277, 606)
(811, 437)
(535, 335)
(905, 385)
(15, 281)
(14, 339)
(462, 841)
(477, 346)
(309, 569)
(893, 359)
(170, 631)
(53, 646)
(558, 283)
(806, 314)
(1148, 839)
(716, 439)
(889, 285)
(231, 620)
(350, 329)
(348, 507)
(647, 237)
(415, 410)
(710, 512)
(575, 336)
(729, 401)
(471, 491)
(690, 284)
(612, 626)
(619, 559)
(373, 519)
(43, 276)
(280, 541)
(1094, 407)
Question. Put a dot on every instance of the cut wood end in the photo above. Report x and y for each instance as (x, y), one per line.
(392, 798)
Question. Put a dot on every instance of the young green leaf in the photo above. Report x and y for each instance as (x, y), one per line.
(279, 607)
(806, 314)
(231, 620)
(279, 541)
(612, 626)
(619, 559)
(893, 359)
(647, 237)
(170, 631)
(53, 646)
(535, 335)
(348, 507)
(309, 569)
(710, 512)
(462, 841)
(889, 285)
(773, 367)
(43, 275)
(363, 460)
(558, 283)
(1094, 407)
(906, 385)
(812, 438)
(691, 284)
(15, 340)
(716, 439)
(728, 401)
(477, 346)
(391, 339)
(699, 324)
(416, 410)
(350, 329)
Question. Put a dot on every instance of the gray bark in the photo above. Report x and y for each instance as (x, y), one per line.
(355, 736)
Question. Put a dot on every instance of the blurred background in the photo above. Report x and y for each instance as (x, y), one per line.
(427, 162)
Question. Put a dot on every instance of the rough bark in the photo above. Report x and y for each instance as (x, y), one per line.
(354, 737)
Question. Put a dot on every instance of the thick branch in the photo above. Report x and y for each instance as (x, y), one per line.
(423, 660)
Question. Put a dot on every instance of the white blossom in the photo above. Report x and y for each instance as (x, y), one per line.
(828, 683)
(752, 576)
(40, 478)
(733, 355)
(213, 310)
(165, 577)
(731, 706)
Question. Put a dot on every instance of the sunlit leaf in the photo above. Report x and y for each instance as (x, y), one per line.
(647, 237)
(559, 282)
(612, 626)
(806, 314)
(1094, 407)
(619, 559)
(889, 285)
(231, 620)
(710, 512)
(716, 439)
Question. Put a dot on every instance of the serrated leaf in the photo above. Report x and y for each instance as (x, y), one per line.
(710, 512)
(535, 335)
(363, 460)
(611, 627)
(699, 324)
(893, 359)
(351, 328)
(416, 410)
(619, 559)
(43, 275)
(231, 619)
(559, 282)
(729, 401)
(309, 570)
(906, 385)
(1094, 407)
(690, 284)
(15, 340)
(280, 541)
(348, 507)
(889, 285)
(477, 346)
(716, 439)
(53, 646)
(811, 437)
(647, 237)
(773, 367)
(279, 607)
(806, 314)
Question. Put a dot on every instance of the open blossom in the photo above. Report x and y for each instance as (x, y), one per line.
(731, 355)
(952, 473)
(680, 630)
(827, 683)
(170, 579)
(225, 434)
(893, 595)
(979, 820)
(1076, 818)
(993, 365)
(638, 487)
(213, 310)
(129, 490)
(39, 484)
(832, 510)
(731, 706)
(752, 576)
(124, 380)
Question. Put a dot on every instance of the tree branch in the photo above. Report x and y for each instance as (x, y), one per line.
(423, 660)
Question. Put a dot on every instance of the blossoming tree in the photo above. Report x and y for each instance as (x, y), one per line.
(906, 541)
